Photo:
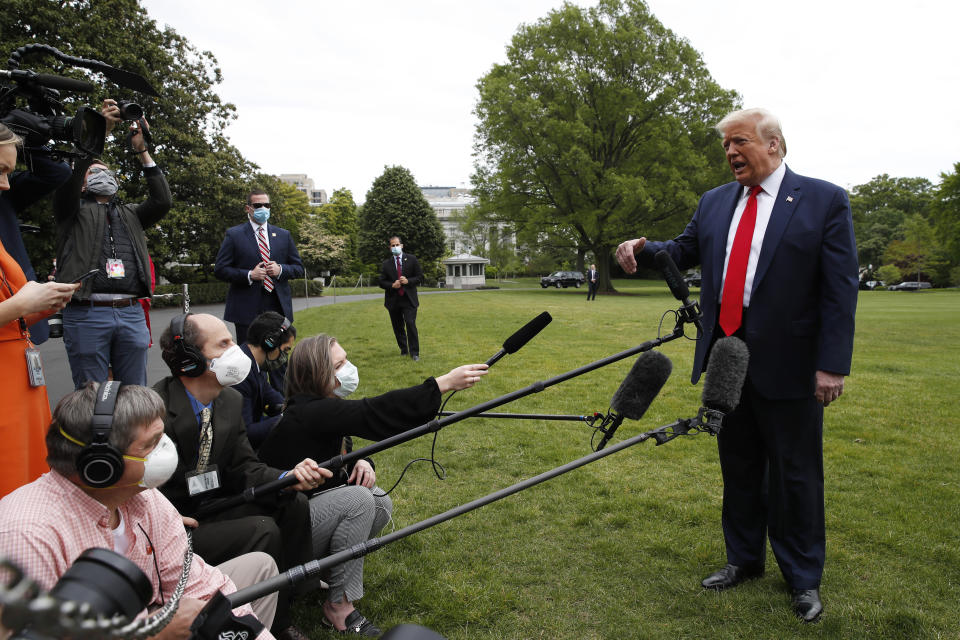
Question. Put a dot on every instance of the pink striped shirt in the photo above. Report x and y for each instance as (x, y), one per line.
(46, 524)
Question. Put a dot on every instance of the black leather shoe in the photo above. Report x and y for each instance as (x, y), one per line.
(730, 576)
(356, 624)
(807, 604)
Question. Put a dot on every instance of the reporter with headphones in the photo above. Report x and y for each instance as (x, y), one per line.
(262, 404)
(108, 453)
(204, 420)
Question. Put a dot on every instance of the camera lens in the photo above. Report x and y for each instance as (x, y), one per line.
(55, 322)
(130, 110)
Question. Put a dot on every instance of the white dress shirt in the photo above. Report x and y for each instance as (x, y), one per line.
(765, 200)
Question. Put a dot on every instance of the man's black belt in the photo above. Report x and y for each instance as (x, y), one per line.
(116, 304)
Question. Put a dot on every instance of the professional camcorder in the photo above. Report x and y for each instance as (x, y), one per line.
(43, 116)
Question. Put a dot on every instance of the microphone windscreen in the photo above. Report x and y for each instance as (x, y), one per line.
(60, 82)
(726, 371)
(642, 384)
(526, 332)
(671, 274)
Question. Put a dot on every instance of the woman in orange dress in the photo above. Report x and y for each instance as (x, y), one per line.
(25, 413)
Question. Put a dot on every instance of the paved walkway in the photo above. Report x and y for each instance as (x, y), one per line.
(56, 367)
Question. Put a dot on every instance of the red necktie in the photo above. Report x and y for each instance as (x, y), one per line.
(265, 256)
(731, 304)
(399, 273)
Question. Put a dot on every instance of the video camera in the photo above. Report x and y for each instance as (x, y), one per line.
(43, 117)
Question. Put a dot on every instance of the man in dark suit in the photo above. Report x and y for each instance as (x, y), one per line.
(262, 404)
(592, 282)
(216, 460)
(258, 260)
(779, 267)
(399, 276)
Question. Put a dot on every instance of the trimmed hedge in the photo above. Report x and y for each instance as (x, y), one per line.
(216, 292)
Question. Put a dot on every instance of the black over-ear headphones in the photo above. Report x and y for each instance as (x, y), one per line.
(185, 359)
(99, 463)
(272, 339)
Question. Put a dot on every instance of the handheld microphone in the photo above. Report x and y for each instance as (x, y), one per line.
(679, 289)
(726, 373)
(523, 335)
(637, 391)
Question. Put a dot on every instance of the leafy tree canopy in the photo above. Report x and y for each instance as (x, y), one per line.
(599, 127)
(208, 176)
(395, 206)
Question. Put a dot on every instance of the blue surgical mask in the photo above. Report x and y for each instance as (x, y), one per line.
(261, 215)
(396, 250)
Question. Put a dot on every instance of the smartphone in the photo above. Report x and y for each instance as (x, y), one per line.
(88, 274)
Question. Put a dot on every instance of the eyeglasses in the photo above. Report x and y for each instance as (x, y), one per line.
(257, 205)
(96, 170)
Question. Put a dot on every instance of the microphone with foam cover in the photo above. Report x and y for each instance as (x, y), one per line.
(523, 335)
(726, 372)
(48, 80)
(678, 287)
(638, 389)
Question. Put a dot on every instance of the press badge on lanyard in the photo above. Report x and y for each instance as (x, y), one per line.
(201, 482)
(34, 367)
(114, 268)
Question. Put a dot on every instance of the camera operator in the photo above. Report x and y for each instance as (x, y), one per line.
(22, 301)
(23, 188)
(47, 524)
(104, 324)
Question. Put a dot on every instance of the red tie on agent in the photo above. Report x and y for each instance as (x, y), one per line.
(731, 304)
(399, 274)
(265, 256)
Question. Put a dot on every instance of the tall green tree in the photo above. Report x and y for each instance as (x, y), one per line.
(945, 215)
(598, 127)
(395, 206)
(207, 175)
(880, 209)
(340, 218)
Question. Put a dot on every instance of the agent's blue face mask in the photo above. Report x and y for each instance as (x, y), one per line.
(261, 214)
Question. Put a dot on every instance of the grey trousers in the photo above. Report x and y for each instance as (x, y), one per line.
(340, 518)
(249, 569)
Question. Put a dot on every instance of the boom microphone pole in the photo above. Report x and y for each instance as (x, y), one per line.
(297, 574)
(215, 506)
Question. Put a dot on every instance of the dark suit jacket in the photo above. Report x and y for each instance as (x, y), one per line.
(238, 465)
(388, 275)
(240, 253)
(804, 296)
(261, 402)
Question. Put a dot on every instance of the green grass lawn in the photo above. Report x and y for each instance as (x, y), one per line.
(617, 549)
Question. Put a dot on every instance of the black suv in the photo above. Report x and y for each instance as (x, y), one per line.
(562, 279)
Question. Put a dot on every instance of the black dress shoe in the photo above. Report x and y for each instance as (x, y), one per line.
(730, 576)
(807, 604)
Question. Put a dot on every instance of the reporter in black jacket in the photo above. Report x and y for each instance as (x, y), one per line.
(318, 422)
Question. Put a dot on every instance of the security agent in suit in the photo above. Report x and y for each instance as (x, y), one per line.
(258, 260)
(593, 280)
(203, 360)
(799, 298)
(400, 296)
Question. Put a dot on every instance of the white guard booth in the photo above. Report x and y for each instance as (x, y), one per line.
(465, 271)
